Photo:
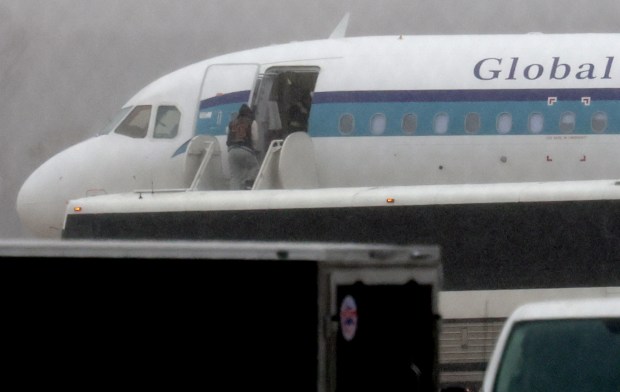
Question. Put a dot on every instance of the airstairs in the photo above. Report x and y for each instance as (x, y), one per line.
(268, 176)
(287, 165)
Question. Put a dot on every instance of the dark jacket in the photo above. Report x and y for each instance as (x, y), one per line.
(240, 129)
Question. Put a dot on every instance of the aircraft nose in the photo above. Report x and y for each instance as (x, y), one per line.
(78, 171)
(42, 199)
(40, 205)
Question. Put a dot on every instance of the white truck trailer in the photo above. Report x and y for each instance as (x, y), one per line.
(221, 315)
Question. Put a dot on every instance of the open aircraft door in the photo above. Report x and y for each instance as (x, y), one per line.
(225, 87)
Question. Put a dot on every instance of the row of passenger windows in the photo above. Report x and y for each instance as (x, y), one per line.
(136, 124)
(473, 122)
(167, 120)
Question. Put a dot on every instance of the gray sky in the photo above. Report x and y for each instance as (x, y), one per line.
(66, 66)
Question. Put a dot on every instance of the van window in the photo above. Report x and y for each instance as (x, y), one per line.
(561, 355)
(136, 124)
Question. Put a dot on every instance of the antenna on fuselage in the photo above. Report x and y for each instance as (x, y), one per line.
(341, 29)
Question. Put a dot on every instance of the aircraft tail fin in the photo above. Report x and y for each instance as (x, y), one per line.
(341, 29)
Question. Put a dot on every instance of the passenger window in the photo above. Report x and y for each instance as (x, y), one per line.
(535, 123)
(137, 123)
(440, 123)
(504, 123)
(378, 124)
(472, 123)
(167, 122)
(599, 122)
(346, 124)
(410, 123)
(567, 122)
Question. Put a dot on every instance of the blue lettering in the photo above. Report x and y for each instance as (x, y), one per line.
(494, 73)
(554, 69)
(490, 69)
(587, 72)
(528, 74)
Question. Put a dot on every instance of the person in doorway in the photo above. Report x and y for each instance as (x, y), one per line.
(298, 114)
(241, 141)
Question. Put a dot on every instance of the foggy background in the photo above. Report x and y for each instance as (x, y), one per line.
(67, 66)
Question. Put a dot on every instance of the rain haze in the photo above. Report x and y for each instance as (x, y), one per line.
(67, 66)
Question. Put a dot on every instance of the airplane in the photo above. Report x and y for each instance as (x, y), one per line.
(445, 126)
(390, 110)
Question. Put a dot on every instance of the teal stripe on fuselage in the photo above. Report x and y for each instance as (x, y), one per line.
(325, 116)
(216, 112)
(214, 120)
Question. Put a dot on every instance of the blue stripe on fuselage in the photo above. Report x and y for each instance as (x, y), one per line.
(237, 97)
(519, 95)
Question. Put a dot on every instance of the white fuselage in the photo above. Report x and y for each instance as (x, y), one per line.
(386, 111)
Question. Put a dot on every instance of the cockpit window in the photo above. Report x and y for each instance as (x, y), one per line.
(137, 122)
(167, 122)
(120, 115)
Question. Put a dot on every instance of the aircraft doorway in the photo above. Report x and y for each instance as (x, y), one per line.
(283, 101)
(385, 338)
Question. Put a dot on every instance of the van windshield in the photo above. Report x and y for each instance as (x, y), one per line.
(561, 355)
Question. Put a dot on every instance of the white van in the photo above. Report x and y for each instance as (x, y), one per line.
(571, 345)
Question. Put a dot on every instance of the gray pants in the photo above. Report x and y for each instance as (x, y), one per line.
(243, 167)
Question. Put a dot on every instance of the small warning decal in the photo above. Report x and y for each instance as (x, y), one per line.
(348, 318)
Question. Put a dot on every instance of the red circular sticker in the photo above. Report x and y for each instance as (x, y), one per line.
(348, 318)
